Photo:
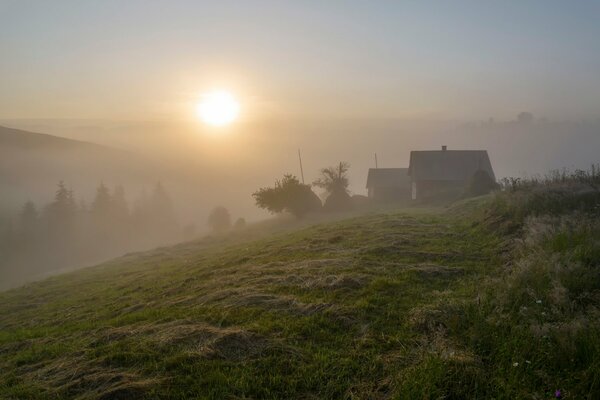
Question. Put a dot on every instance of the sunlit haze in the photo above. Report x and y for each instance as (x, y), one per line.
(218, 108)
(216, 98)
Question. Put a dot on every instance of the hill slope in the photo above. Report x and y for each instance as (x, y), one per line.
(31, 164)
(18, 138)
(381, 306)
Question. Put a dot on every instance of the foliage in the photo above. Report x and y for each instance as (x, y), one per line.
(334, 179)
(554, 194)
(62, 210)
(101, 206)
(338, 201)
(219, 219)
(288, 195)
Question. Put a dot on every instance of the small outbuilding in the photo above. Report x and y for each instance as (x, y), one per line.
(445, 173)
(388, 184)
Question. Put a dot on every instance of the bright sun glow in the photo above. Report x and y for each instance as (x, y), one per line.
(218, 108)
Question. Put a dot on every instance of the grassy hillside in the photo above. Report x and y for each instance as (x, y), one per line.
(402, 304)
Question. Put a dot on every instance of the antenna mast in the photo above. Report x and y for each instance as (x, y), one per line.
(301, 170)
(376, 161)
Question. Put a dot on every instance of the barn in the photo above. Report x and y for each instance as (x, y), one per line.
(444, 173)
(388, 184)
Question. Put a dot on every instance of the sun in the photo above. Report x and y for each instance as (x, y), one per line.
(218, 108)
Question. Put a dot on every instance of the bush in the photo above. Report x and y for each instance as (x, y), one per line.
(288, 195)
(334, 180)
(338, 201)
(219, 219)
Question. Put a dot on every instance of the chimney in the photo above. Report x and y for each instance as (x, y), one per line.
(444, 148)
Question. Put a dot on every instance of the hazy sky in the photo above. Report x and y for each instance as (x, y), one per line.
(416, 59)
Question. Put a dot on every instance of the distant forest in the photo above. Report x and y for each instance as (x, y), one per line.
(66, 233)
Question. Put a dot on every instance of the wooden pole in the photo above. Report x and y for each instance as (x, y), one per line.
(376, 161)
(301, 170)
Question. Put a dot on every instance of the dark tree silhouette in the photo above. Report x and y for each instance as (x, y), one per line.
(334, 180)
(63, 209)
(101, 206)
(219, 219)
(525, 118)
(288, 195)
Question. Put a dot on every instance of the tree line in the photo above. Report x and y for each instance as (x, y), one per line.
(66, 232)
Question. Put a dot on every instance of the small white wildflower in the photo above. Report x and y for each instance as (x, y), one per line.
(528, 362)
(515, 364)
(538, 301)
(543, 313)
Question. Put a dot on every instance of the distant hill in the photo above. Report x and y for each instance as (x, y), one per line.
(32, 163)
(20, 139)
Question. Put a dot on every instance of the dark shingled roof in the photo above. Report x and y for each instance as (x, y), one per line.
(448, 165)
(387, 177)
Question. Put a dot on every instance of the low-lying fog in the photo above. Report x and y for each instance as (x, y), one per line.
(201, 168)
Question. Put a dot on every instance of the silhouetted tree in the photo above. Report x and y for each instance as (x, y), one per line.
(288, 195)
(101, 206)
(219, 219)
(62, 211)
(334, 181)
(525, 118)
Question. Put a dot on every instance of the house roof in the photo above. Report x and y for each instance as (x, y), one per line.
(387, 177)
(448, 165)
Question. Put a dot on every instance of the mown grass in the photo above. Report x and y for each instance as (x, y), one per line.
(399, 304)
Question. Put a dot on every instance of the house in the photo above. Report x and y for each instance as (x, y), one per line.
(444, 173)
(388, 184)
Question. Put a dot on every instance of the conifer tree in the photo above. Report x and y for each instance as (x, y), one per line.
(101, 205)
(62, 210)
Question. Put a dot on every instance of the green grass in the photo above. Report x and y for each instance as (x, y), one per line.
(399, 304)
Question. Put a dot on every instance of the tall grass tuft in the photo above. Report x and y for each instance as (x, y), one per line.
(553, 194)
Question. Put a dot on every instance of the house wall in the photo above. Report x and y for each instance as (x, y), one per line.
(426, 190)
(394, 193)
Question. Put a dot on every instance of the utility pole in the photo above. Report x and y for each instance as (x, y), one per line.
(376, 161)
(301, 170)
